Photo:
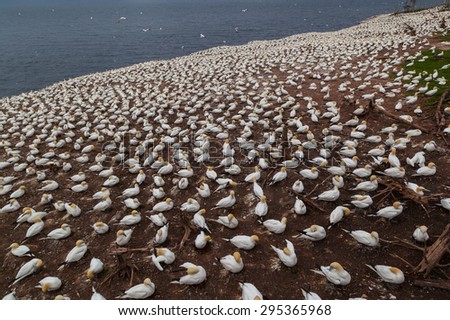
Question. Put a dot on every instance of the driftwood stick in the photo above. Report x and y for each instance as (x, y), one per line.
(313, 204)
(441, 284)
(434, 254)
(440, 118)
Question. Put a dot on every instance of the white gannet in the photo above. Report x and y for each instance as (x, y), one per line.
(244, 242)
(20, 250)
(335, 273)
(139, 291)
(75, 254)
(420, 234)
(313, 233)
(232, 262)
(123, 237)
(228, 221)
(276, 226)
(200, 221)
(309, 295)
(250, 292)
(100, 227)
(95, 267)
(158, 219)
(60, 233)
(388, 274)
(369, 239)
(201, 240)
(49, 284)
(27, 269)
(287, 255)
(195, 274)
(226, 202)
(162, 255)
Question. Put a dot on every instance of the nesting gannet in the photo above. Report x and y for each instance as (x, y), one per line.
(163, 206)
(335, 273)
(232, 262)
(337, 214)
(158, 219)
(162, 255)
(226, 202)
(279, 176)
(104, 204)
(20, 250)
(313, 233)
(276, 226)
(250, 292)
(390, 211)
(131, 219)
(35, 228)
(200, 221)
(361, 201)
(13, 205)
(329, 195)
(420, 234)
(309, 295)
(18, 193)
(201, 240)
(123, 237)
(195, 274)
(49, 284)
(228, 221)
(76, 253)
(191, 205)
(100, 227)
(244, 242)
(388, 274)
(139, 291)
(368, 186)
(96, 295)
(287, 255)
(428, 170)
(203, 190)
(369, 239)
(27, 269)
(161, 234)
(95, 267)
(60, 233)
(261, 208)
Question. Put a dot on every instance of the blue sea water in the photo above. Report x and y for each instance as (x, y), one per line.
(45, 41)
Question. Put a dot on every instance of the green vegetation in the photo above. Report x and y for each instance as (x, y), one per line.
(427, 67)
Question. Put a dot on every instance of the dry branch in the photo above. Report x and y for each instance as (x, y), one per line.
(440, 118)
(434, 254)
(441, 284)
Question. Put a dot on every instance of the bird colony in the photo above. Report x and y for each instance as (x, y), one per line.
(245, 172)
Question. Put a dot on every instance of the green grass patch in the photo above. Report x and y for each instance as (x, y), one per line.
(435, 61)
(444, 37)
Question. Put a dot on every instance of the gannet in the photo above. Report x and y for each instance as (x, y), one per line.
(195, 274)
(140, 291)
(335, 273)
(244, 242)
(27, 269)
(232, 262)
(49, 284)
(313, 233)
(287, 255)
(249, 292)
(388, 274)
